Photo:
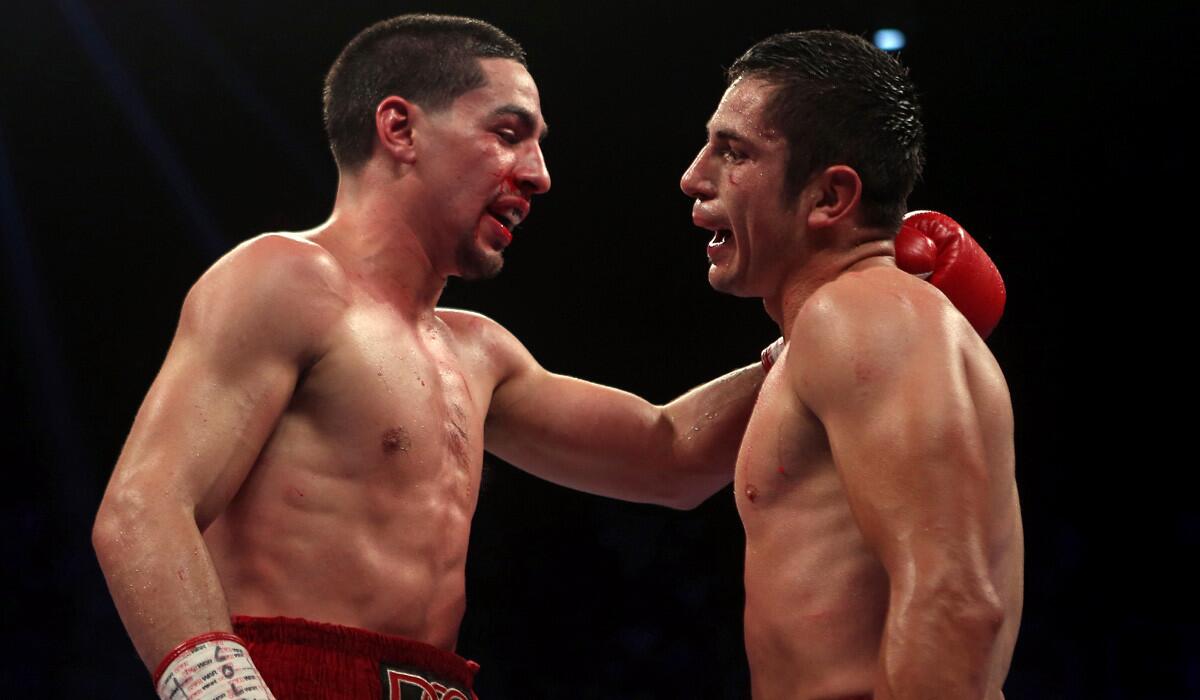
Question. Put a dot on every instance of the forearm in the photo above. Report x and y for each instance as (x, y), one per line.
(939, 645)
(709, 422)
(159, 574)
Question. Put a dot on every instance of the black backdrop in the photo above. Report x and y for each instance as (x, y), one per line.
(140, 139)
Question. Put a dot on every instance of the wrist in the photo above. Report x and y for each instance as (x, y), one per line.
(209, 666)
(771, 353)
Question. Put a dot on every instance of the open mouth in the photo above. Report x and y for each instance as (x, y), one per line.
(506, 218)
(719, 238)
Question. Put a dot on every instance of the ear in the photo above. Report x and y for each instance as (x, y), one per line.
(835, 194)
(394, 127)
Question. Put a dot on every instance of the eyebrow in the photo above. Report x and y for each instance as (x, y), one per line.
(525, 116)
(730, 135)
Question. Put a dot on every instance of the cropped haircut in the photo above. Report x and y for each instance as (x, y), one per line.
(427, 59)
(839, 100)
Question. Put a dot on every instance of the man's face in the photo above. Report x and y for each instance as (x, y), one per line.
(482, 162)
(737, 181)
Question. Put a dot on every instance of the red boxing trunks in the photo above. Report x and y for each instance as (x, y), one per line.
(303, 660)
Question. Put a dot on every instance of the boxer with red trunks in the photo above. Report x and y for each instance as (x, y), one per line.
(875, 480)
(309, 456)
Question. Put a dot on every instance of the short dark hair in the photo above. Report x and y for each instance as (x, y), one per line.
(838, 99)
(428, 59)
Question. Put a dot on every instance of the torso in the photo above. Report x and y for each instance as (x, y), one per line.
(358, 509)
(816, 595)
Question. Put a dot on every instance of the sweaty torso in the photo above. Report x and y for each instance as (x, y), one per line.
(816, 594)
(358, 509)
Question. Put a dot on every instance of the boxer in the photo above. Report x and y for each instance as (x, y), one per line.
(875, 480)
(291, 509)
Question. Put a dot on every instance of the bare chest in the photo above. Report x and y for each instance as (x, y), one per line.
(393, 399)
(784, 452)
(807, 566)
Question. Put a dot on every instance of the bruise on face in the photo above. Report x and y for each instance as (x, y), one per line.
(396, 440)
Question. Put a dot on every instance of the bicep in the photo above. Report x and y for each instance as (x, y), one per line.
(573, 432)
(203, 423)
(892, 393)
(916, 476)
(242, 340)
(542, 414)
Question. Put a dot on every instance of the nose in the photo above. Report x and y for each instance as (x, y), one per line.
(695, 183)
(532, 175)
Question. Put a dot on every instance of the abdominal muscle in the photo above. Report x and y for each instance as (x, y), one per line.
(365, 543)
(816, 599)
(816, 596)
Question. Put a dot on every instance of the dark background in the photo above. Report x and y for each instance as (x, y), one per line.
(140, 139)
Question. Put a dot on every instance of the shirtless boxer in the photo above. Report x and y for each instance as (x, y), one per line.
(308, 458)
(875, 480)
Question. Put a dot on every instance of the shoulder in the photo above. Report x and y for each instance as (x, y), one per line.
(867, 329)
(492, 343)
(476, 330)
(269, 284)
(277, 263)
(874, 307)
(471, 326)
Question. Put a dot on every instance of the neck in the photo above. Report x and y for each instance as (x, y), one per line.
(380, 243)
(821, 268)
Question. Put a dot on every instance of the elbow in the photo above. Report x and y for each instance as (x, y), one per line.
(686, 478)
(121, 514)
(684, 486)
(973, 610)
(683, 500)
(106, 536)
(689, 490)
(980, 606)
(983, 615)
(685, 496)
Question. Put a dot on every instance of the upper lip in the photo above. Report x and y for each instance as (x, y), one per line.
(511, 209)
(707, 220)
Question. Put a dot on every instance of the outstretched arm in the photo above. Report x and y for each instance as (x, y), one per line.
(246, 330)
(609, 442)
(923, 447)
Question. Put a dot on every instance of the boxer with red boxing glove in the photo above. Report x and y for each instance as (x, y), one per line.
(875, 480)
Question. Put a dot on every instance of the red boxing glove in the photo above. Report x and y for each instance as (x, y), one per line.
(933, 246)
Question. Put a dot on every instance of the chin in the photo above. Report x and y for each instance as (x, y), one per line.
(477, 264)
(721, 280)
